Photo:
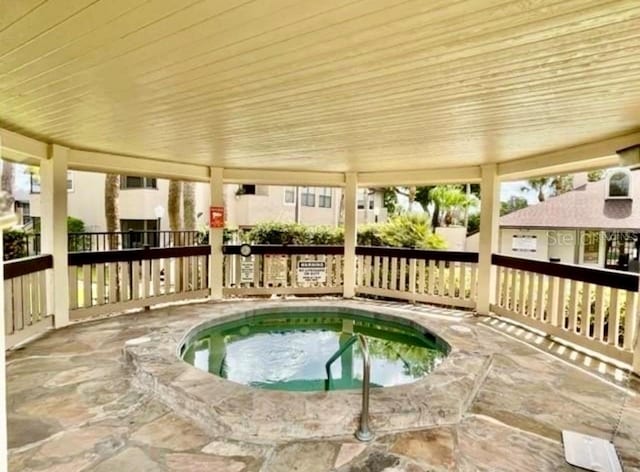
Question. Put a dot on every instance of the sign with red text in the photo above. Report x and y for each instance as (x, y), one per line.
(216, 217)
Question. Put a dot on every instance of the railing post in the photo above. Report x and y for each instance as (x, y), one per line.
(635, 365)
(53, 198)
(216, 270)
(489, 237)
(350, 234)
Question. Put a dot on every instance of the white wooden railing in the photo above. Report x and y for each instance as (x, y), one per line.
(280, 270)
(593, 308)
(25, 298)
(114, 281)
(440, 277)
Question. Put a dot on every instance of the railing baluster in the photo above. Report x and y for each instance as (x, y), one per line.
(585, 317)
(8, 307)
(614, 318)
(451, 286)
(441, 278)
(598, 328)
(630, 319)
(376, 272)
(421, 275)
(385, 272)
(431, 277)
(573, 306)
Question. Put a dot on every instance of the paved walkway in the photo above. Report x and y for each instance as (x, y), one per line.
(72, 408)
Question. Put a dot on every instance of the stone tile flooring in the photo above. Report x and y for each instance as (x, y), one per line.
(72, 408)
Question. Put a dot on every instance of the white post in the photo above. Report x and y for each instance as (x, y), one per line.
(53, 230)
(489, 237)
(635, 365)
(350, 234)
(3, 374)
(216, 271)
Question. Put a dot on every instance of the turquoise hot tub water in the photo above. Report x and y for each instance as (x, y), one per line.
(288, 351)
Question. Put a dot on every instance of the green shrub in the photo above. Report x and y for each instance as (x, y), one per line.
(15, 244)
(75, 225)
(278, 233)
(406, 230)
(325, 235)
(410, 230)
(369, 235)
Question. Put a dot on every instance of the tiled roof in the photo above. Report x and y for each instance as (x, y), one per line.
(585, 207)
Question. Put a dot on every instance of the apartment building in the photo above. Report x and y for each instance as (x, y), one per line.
(143, 203)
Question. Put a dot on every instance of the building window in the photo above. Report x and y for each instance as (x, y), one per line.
(371, 203)
(34, 182)
(308, 197)
(290, 195)
(324, 198)
(361, 195)
(591, 250)
(246, 190)
(139, 233)
(618, 184)
(131, 181)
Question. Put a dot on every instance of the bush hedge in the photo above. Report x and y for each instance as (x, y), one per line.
(405, 230)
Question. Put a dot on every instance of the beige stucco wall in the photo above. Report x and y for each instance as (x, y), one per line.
(564, 245)
(455, 236)
(268, 205)
(86, 201)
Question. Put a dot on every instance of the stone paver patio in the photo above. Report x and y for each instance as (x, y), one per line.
(74, 405)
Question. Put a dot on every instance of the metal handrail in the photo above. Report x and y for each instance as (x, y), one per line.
(336, 356)
(364, 432)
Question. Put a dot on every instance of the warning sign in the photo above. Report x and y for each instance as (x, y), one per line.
(246, 271)
(312, 271)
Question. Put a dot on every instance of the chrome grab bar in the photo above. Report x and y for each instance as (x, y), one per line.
(336, 355)
(364, 432)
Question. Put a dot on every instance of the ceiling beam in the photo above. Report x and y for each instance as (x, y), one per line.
(117, 164)
(19, 148)
(454, 175)
(584, 157)
(283, 177)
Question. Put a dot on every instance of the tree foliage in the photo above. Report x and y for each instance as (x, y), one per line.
(595, 175)
(513, 204)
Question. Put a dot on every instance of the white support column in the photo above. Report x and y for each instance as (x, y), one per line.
(216, 270)
(489, 237)
(635, 365)
(350, 234)
(53, 201)
(3, 374)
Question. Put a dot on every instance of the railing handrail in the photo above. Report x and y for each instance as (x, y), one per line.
(364, 431)
(415, 253)
(386, 251)
(126, 255)
(597, 276)
(27, 265)
(285, 249)
(336, 355)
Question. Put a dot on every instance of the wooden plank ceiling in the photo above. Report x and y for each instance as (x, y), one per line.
(331, 85)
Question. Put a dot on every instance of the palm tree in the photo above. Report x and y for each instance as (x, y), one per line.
(449, 199)
(538, 185)
(189, 205)
(111, 207)
(6, 182)
(173, 207)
